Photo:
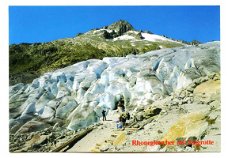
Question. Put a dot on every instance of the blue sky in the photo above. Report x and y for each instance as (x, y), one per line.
(46, 23)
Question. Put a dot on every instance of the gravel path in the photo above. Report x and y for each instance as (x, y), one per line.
(97, 136)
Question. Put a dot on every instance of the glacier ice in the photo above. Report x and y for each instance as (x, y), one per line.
(78, 93)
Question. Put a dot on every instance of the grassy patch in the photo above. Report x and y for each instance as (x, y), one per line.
(39, 58)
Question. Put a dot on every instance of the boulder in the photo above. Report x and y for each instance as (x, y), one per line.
(33, 126)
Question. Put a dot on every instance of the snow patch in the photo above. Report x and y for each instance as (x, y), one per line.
(101, 30)
(124, 37)
(154, 38)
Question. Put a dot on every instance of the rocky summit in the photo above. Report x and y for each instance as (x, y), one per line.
(120, 27)
(170, 89)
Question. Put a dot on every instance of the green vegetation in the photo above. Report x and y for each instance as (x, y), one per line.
(28, 61)
(31, 60)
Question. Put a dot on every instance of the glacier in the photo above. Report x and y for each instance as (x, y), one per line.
(77, 94)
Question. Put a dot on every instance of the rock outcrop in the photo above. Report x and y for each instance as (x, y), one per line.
(120, 27)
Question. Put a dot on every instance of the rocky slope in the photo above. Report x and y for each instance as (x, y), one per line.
(191, 115)
(29, 61)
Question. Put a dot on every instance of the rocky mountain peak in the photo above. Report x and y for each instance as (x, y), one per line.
(121, 26)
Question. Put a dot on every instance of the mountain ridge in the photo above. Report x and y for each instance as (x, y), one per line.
(28, 61)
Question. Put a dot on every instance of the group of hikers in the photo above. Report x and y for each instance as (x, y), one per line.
(123, 114)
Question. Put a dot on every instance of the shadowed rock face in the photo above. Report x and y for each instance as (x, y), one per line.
(121, 27)
(78, 93)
